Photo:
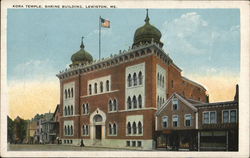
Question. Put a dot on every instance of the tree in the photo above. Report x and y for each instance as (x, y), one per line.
(20, 129)
(10, 132)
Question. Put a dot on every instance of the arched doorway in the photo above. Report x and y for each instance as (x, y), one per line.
(98, 127)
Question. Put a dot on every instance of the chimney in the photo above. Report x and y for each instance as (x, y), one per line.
(236, 97)
(207, 98)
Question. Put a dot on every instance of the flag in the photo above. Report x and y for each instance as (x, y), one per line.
(105, 23)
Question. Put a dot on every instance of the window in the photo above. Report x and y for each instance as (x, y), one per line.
(98, 118)
(232, 116)
(226, 116)
(133, 143)
(90, 89)
(139, 143)
(114, 105)
(134, 128)
(68, 132)
(71, 109)
(135, 79)
(229, 116)
(71, 130)
(139, 127)
(129, 128)
(65, 93)
(140, 78)
(95, 88)
(175, 120)
(72, 93)
(107, 85)
(85, 130)
(209, 117)
(129, 103)
(172, 83)
(134, 102)
(165, 121)
(110, 129)
(114, 129)
(160, 80)
(163, 82)
(101, 87)
(65, 111)
(85, 108)
(140, 101)
(129, 81)
(110, 105)
(68, 93)
(175, 103)
(65, 130)
(158, 101)
(188, 119)
(127, 143)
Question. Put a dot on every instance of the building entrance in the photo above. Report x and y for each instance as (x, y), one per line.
(98, 131)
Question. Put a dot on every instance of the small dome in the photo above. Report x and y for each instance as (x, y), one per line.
(81, 56)
(146, 33)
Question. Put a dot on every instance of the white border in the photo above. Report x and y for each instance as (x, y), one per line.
(243, 84)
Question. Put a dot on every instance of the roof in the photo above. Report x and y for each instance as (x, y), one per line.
(194, 83)
(180, 98)
(226, 103)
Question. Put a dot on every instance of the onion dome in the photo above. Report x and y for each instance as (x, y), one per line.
(147, 33)
(81, 56)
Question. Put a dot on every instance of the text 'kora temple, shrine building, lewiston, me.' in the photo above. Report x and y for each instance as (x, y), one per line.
(113, 102)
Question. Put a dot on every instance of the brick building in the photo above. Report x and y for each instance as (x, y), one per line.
(112, 102)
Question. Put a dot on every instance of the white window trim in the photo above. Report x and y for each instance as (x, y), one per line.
(191, 122)
(173, 99)
(85, 125)
(137, 131)
(163, 122)
(177, 121)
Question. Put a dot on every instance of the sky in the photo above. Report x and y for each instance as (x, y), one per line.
(204, 43)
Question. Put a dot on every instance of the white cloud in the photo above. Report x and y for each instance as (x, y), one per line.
(191, 34)
(35, 70)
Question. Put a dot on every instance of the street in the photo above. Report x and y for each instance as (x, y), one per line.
(56, 147)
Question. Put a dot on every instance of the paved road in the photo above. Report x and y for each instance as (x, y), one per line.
(52, 147)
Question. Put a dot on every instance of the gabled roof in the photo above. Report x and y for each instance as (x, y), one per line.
(194, 83)
(186, 102)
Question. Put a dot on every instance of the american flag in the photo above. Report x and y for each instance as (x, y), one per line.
(105, 23)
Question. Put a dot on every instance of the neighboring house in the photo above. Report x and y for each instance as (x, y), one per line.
(31, 131)
(184, 124)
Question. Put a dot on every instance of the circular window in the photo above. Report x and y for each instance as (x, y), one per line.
(98, 118)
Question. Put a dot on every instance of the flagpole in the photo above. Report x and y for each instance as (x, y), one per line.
(99, 37)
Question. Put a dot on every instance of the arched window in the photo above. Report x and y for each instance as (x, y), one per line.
(135, 79)
(68, 129)
(140, 78)
(95, 88)
(158, 101)
(129, 103)
(71, 110)
(134, 128)
(98, 118)
(83, 109)
(110, 105)
(107, 85)
(68, 110)
(160, 80)
(134, 102)
(101, 87)
(90, 89)
(110, 129)
(68, 93)
(71, 130)
(114, 129)
(129, 81)
(65, 111)
(65, 93)
(139, 127)
(129, 128)
(87, 130)
(72, 93)
(65, 130)
(114, 105)
(83, 130)
(87, 108)
(140, 101)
